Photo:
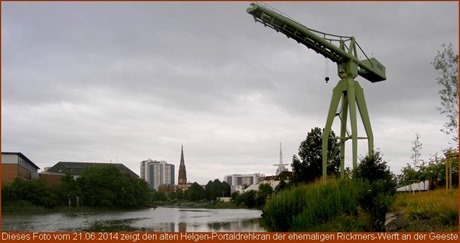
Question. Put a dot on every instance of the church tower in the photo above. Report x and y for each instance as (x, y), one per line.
(182, 172)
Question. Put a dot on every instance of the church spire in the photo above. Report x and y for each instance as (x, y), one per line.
(182, 172)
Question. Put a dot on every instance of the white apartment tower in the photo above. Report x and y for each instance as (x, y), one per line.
(157, 173)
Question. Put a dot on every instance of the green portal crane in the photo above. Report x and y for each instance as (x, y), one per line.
(347, 89)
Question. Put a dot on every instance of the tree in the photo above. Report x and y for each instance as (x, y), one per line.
(281, 186)
(105, 186)
(309, 166)
(216, 189)
(34, 191)
(226, 188)
(98, 186)
(434, 171)
(195, 192)
(159, 196)
(408, 176)
(378, 189)
(247, 199)
(446, 63)
(416, 150)
(411, 173)
(179, 194)
(265, 192)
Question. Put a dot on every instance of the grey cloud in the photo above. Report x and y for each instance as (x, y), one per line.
(95, 81)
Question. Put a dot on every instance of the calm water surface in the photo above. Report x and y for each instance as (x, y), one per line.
(152, 220)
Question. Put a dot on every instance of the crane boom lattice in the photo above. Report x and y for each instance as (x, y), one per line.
(369, 68)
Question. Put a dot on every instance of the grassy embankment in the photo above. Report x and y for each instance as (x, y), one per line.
(429, 211)
(336, 206)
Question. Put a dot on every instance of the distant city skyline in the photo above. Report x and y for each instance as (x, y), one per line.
(147, 168)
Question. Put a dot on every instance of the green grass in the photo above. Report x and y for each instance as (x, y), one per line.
(330, 206)
(326, 202)
(429, 211)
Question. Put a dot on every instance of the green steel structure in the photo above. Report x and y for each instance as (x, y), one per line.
(347, 89)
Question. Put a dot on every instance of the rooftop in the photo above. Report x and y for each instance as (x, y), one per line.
(24, 157)
(77, 168)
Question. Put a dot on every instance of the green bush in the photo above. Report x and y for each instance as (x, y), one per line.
(280, 210)
(379, 189)
(33, 191)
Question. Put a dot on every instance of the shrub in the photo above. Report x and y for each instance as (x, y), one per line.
(379, 189)
(314, 207)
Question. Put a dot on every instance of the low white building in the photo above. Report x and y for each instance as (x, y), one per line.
(255, 187)
(415, 187)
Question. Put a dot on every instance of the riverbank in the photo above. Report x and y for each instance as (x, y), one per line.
(24, 207)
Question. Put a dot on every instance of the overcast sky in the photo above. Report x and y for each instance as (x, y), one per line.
(124, 82)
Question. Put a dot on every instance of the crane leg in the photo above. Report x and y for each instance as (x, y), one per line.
(343, 130)
(362, 107)
(354, 128)
(336, 95)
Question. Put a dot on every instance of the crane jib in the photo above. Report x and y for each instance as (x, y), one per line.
(369, 68)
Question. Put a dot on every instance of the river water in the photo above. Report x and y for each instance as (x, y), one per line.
(148, 220)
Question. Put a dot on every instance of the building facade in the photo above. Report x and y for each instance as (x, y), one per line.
(17, 165)
(51, 178)
(239, 182)
(157, 173)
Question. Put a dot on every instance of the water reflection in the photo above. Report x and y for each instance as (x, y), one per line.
(182, 227)
(151, 220)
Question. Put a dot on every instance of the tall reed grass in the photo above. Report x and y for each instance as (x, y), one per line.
(320, 206)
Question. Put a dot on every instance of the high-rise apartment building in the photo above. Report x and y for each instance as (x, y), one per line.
(157, 173)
